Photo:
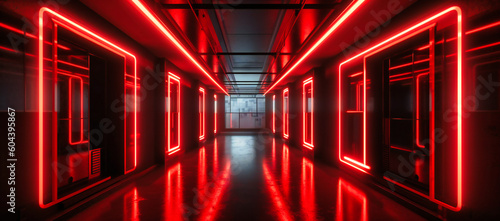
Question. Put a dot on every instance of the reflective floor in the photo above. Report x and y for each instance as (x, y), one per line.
(246, 177)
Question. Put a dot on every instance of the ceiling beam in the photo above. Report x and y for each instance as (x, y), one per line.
(250, 6)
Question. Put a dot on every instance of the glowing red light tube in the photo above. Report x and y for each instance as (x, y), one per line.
(163, 28)
(215, 113)
(201, 103)
(274, 113)
(338, 21)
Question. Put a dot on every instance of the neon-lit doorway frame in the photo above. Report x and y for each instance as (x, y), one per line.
(173, 78)
(395, 39)
(94, 38)
(308, 81)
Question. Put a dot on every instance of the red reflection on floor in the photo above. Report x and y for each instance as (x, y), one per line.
(244, 177)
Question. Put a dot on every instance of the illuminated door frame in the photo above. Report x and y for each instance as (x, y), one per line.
(201, 109)
(286, 111)
(304, 109)
(94, 38)
(274, 113)
(173, 78)
(395, 39)
(215, 113)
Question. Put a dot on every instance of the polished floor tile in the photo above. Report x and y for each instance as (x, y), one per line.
(245, 177)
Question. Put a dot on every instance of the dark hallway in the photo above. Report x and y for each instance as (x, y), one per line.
(245, 177)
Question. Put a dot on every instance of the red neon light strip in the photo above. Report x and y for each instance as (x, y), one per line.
(215, 113)
(357, 163)
(73, 65)
(163, 28)
(356, 74)
(408, 64)
(274, 114)
(286, 109)
(30, 35)
(202, 121)
(173, 78)
(304, 104)
(338, 21)
(400, 148)
(89, 35)
(70, 112)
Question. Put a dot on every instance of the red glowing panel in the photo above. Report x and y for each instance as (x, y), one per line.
(334, 26)
(308, 113)
(215, 113)
(173, 113)
(286, 110)
(45, 110)
(274, 114)
(165, 31)
(201, 112)
(455, 76)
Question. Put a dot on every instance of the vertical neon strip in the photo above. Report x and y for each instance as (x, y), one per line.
(202, 113)
(215, 113)
(274, 113)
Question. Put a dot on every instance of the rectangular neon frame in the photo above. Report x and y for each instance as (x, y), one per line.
(274, 113)
(173, 78)
(215, 113)
(401, 36)
(202, 109)
(304, 109)
(286, 110)
(91, 36)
